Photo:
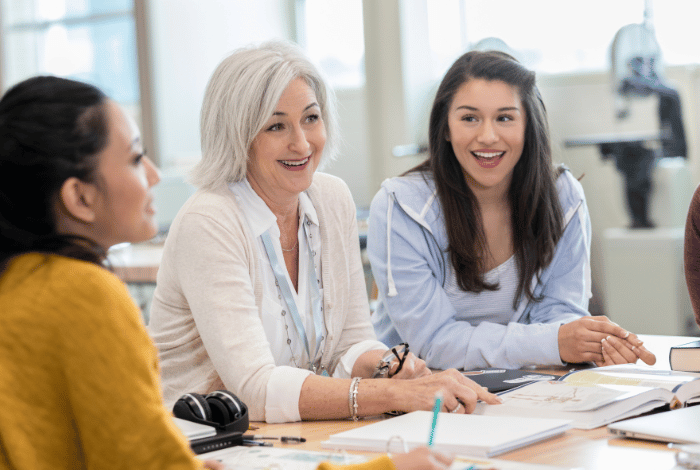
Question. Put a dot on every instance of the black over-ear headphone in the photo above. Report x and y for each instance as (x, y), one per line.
(221, 409)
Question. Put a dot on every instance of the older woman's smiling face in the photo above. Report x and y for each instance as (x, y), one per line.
(286, 153)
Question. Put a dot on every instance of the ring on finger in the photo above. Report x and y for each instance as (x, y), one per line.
(457, 408)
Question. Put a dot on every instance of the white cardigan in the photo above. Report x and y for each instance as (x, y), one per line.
(205, 316)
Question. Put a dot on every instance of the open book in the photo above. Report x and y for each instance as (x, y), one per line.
(596, 397)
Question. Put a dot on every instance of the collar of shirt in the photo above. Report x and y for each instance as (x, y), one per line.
(260, 217)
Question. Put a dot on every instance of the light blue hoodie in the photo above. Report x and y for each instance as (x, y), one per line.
(407, 246)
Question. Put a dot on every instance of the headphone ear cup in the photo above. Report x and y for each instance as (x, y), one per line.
(192, 405)
(219, 411)
(226, 408)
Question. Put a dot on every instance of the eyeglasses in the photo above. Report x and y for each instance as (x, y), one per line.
(383, 369)
(400, 351)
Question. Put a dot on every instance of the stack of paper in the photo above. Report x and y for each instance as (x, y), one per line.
(193, 430)
(483, 436)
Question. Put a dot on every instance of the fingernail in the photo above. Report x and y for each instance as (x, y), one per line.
(627, 333)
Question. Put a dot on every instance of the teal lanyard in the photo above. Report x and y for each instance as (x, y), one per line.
(315, 294)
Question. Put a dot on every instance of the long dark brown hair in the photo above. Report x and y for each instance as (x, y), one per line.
(536, 213)
(51, 129)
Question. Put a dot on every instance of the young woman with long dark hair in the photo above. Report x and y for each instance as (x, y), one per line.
(481, 253)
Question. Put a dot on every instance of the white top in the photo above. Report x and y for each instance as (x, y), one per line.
(279, 328)
(487, 306)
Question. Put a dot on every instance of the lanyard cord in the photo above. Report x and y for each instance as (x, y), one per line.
(283, 284)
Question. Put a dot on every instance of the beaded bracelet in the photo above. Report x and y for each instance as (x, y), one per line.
(352, 397)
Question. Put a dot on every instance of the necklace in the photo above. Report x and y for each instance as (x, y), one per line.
(286, 326)
(291, 249)
(297, 242)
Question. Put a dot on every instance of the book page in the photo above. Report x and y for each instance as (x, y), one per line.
(263, 458)
(629, 375)
(563, 396)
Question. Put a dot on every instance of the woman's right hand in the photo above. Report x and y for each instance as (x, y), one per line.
(582, 340)
(421, 458)
(214, 465)
(459, 394)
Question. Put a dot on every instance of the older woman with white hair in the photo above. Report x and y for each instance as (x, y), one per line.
(261, 288)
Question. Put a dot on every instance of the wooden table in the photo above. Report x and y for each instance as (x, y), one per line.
(586, 449)
(136, 263)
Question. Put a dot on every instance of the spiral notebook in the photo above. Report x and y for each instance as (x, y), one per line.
(193, 430)
(481, 436)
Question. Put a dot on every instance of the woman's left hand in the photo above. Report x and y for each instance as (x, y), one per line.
(413, 367)
(624, 351)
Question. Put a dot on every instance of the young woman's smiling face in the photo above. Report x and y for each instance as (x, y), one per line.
(487, 131)
(286, 153)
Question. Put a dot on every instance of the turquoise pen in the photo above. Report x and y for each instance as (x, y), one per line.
(436, 410)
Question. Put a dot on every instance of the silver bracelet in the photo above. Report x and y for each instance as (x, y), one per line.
(352, 398)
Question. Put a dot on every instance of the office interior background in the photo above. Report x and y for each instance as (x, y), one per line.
(384, 59)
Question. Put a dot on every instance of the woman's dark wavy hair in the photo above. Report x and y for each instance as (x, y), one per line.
(51, 129)
(537, 215)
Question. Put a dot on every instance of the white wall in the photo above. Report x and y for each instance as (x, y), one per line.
(353, 162)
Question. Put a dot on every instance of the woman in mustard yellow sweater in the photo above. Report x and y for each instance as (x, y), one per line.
(79, 382)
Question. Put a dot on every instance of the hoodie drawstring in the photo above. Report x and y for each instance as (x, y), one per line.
(389, 277)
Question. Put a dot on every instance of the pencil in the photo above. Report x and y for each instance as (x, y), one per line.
(436, 410)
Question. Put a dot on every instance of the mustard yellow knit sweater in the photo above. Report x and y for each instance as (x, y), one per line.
(79, 385)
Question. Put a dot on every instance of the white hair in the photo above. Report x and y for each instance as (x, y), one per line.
(241, 96)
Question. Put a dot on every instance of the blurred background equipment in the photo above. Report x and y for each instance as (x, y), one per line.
(637, 73)
(643, 264)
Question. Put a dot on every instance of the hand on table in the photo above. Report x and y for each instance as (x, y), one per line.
(597, 339)
(459, 394)
(421, 458)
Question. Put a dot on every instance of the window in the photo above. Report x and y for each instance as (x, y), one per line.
(332, 33)
(551, 36)
(88, 40)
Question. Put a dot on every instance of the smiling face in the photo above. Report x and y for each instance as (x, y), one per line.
(124, 211)
(287, 151)
(487, 131)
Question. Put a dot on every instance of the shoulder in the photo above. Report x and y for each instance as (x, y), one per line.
(207, 210)
(695, 202)
(411, 191)
(77, 275)
(87, 289)
(414, 185)
(328, 184)
(329, 191)
(693, 217)
(570, 191)
(211, 202)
